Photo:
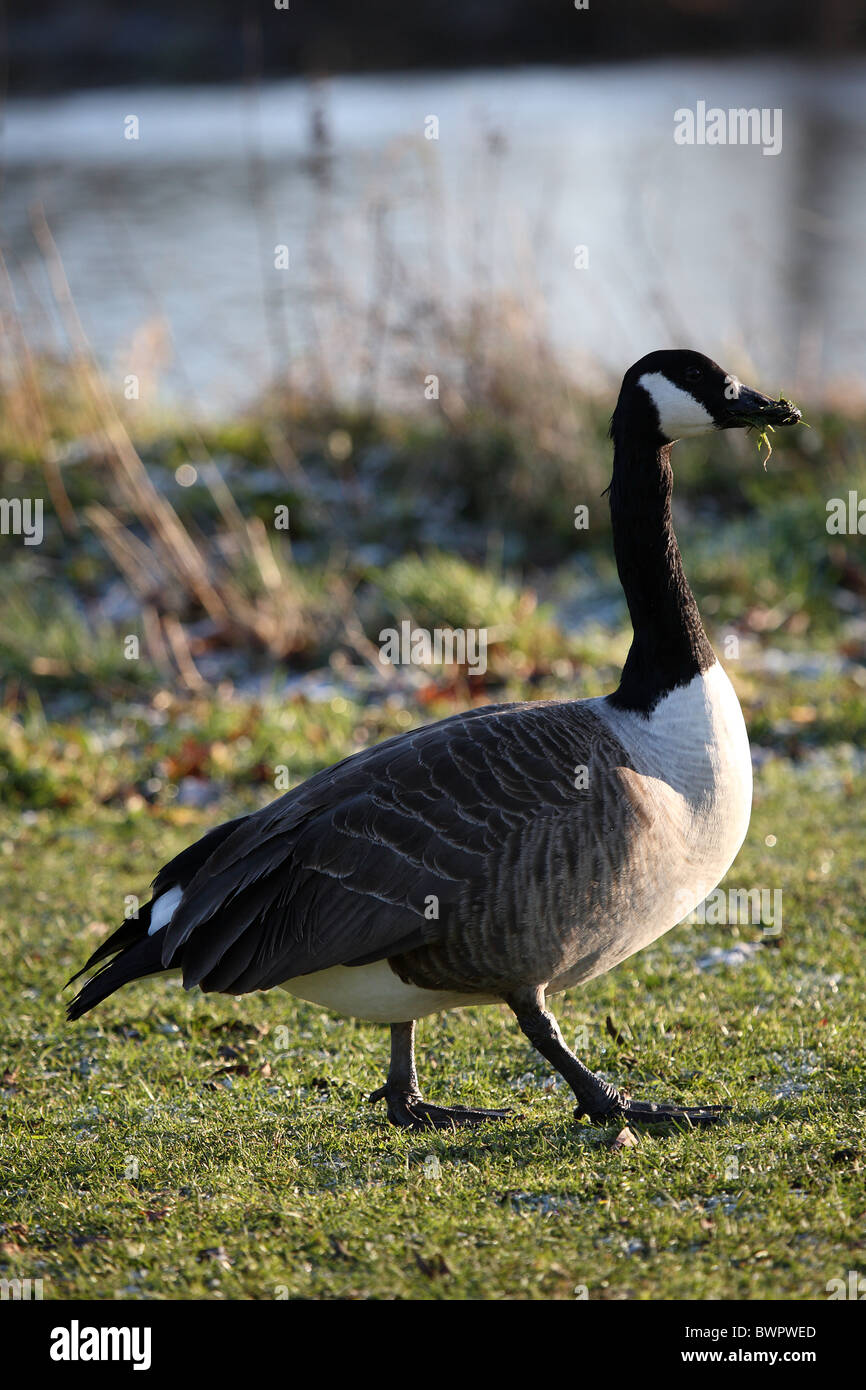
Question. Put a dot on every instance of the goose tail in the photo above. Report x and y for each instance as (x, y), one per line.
(137, 943)
(134, 953)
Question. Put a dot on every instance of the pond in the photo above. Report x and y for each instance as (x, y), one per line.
(352, 232)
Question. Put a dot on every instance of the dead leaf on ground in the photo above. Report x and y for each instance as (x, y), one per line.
(436, 1267)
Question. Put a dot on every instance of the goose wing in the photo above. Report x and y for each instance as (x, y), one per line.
(343, 870)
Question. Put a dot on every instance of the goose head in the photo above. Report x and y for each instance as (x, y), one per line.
(676, 394)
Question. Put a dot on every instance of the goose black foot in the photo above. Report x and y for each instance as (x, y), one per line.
(650, 1112)
(406, 1107)
(408, 1110)
(598, 1101)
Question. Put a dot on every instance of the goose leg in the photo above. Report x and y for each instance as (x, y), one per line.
(596, 1099)
(406, 1107)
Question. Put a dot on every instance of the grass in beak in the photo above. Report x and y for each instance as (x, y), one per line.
(763, 428)
(764, 438)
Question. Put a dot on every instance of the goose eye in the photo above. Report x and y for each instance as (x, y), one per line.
(693, 374)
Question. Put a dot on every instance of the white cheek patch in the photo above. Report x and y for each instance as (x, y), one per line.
(680, 415)
(163, 909)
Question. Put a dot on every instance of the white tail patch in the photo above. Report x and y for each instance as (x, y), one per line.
(163, 909)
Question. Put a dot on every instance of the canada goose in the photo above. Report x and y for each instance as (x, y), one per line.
(466, 862)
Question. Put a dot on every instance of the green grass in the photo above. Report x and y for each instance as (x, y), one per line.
(176, 1145)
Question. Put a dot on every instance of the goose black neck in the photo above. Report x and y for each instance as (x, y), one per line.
(670, 646)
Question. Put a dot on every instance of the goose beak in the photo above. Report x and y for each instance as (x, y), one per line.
(751, 408)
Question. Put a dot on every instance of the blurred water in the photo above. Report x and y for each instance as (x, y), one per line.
(754, 259)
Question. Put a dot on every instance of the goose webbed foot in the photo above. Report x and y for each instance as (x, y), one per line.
(597, 1100)
(406, 1106)
(651, 1112)
(408, 1110)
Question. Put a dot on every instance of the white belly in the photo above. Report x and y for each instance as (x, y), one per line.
(375, 993)
(693, 776)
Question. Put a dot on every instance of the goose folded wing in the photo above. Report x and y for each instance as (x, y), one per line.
(341, 871)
